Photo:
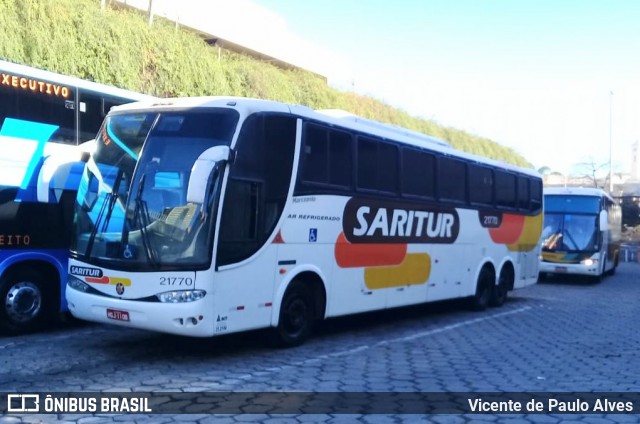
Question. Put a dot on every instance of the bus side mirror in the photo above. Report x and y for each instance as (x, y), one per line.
(604, 220)
(201, 170)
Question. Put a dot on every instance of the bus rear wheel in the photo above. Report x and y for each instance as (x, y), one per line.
(500, 291)
(484, 289)
(25, 306)
(296, 317)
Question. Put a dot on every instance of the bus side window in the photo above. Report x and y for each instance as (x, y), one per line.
(505, 190)
(315, 162)
(418, 173)
(259, 181)
(32, 110)
(377, 163)
(92, 109)
(523, 193)
(536, 195)
(480, 185)
(90, 114)
(327, 156)
(452, 179)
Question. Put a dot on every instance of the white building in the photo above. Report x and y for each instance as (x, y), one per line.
(245, 27)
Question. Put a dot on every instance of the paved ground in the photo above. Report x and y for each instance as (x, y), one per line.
(563, 335)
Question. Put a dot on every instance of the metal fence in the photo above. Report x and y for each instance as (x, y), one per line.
(630, 253)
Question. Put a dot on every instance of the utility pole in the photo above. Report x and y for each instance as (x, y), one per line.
(150, 12)
(610, 140)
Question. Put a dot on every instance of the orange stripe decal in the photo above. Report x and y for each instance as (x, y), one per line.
(528, 240)
(509, 230)
(353, 255)
(101, 280)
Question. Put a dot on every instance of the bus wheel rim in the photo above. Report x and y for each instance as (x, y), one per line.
(295, 317)
(23, 302)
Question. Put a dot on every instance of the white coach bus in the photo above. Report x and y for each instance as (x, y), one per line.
(207, 216)
(582, 232)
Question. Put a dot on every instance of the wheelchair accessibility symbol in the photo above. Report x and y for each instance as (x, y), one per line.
(129, 251)
(313, 235)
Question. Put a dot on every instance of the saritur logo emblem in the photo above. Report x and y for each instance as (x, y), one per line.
(379, 221)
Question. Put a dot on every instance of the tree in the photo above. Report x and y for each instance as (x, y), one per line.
(545, 170)
(593, 173)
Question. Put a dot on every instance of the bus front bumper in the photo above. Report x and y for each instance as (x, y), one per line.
(571, 269)
(186, 319)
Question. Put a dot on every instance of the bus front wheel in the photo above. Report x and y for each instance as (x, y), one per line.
(612, 271)
(296, 316)
(24, 303)
(603, 272)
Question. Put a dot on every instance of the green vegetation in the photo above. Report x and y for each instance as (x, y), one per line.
(117, 47)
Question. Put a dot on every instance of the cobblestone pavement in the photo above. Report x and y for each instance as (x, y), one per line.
(561, 335)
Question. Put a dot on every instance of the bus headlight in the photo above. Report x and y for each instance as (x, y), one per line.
(181, 296)
(78, 284)
(589, 261)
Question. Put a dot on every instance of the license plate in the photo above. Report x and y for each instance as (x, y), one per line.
(117, 315)
(561, 269)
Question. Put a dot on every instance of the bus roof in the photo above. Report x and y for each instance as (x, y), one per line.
(19, 69)
(575, 191)
(343, 115)
(338, 118)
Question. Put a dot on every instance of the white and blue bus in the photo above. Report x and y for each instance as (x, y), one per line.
(207, 216)
(44, 117)
(582, 232)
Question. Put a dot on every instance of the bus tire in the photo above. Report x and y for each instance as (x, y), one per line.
(612, 271)
(25, 304)
(603, 272)
(501, 290)
(296, 316)
(484, 289)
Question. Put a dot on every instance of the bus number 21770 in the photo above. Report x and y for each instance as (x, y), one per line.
(176, 281)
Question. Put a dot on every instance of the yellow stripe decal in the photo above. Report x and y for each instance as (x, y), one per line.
(415, 269)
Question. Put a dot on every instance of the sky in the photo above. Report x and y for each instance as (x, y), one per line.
(556, 80)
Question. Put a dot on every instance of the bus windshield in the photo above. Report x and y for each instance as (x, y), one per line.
(570, 232)
(133, 209)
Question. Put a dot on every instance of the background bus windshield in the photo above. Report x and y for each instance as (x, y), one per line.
(569, 232)
(575, 204)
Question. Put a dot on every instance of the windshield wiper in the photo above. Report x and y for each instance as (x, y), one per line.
(141, 217)
(575, 245)
(108, 205)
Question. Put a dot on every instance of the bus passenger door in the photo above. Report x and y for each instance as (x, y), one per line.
(256, 194)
